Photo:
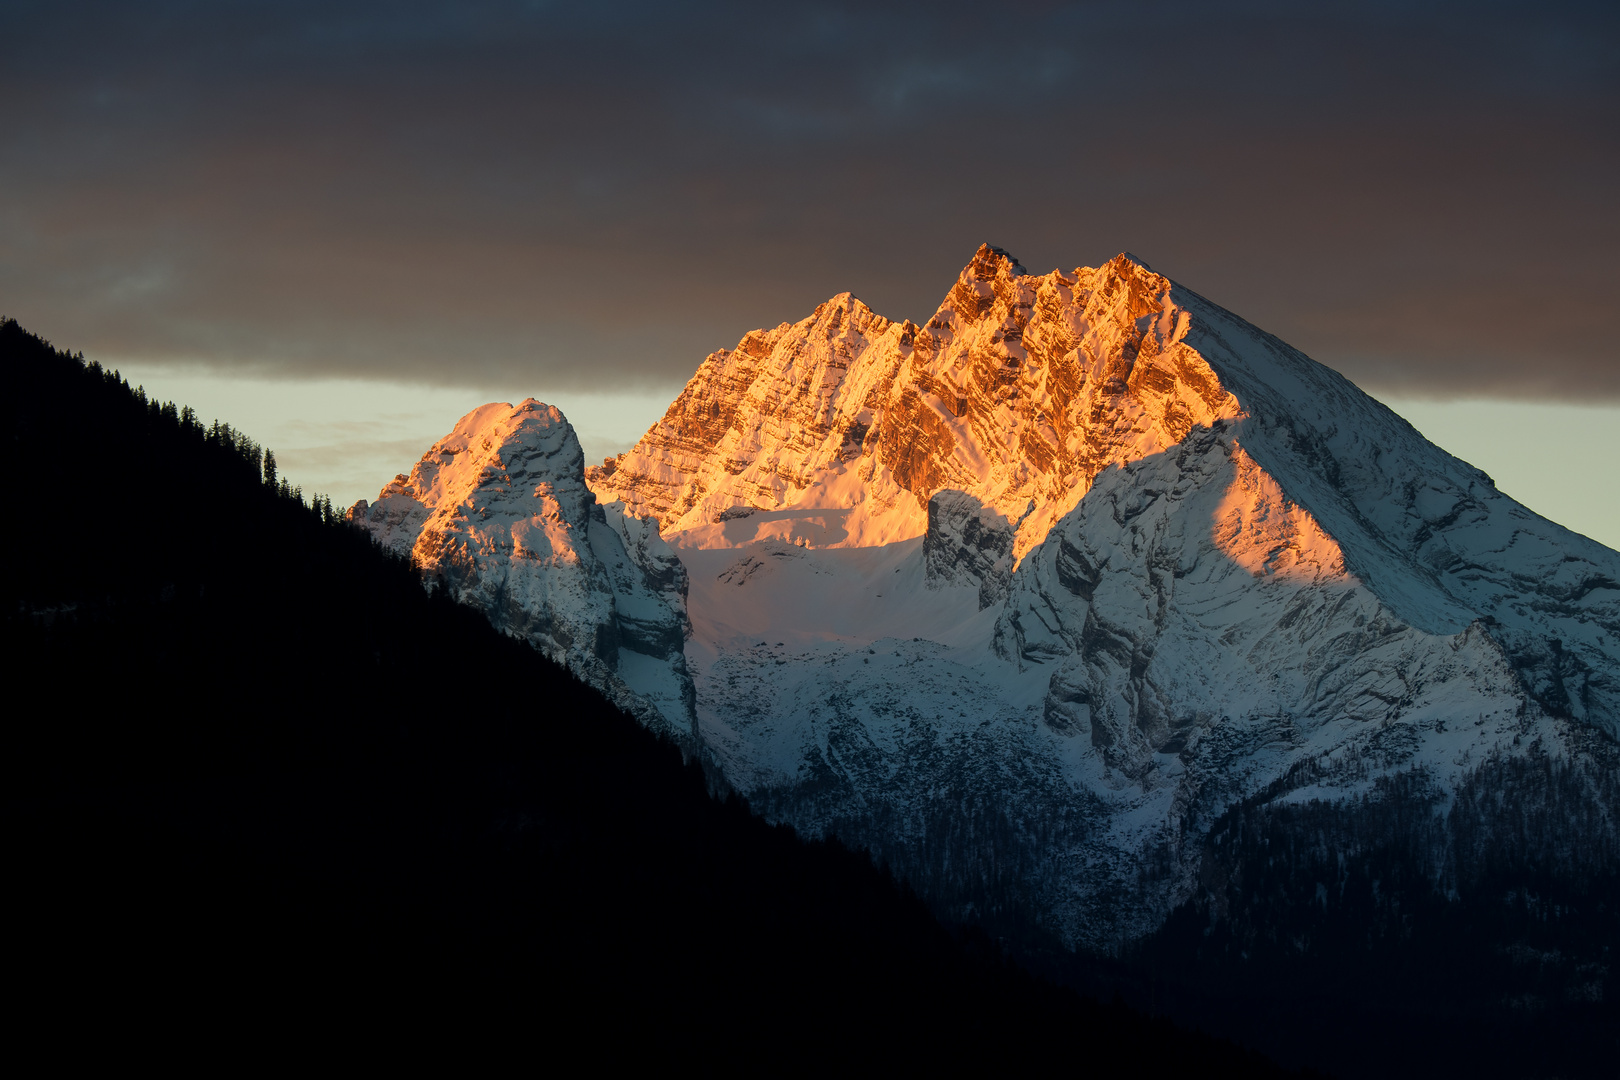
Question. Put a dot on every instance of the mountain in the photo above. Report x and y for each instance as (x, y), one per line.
(499, 512)
(1064, 601)
(263, 789)
(1158, 558)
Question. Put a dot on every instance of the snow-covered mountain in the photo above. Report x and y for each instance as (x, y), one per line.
(499, 511)
(1025, 598)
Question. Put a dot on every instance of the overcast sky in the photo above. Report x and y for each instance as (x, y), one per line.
(597, 195)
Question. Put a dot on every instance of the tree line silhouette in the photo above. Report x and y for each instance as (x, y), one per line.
(253, 760)
(259, 780)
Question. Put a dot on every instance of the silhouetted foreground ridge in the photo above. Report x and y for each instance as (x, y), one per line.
(255, 771)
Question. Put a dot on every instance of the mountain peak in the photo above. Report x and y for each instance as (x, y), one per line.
(1019, 391)
(500, 511)
(1022, 391)
(990, 262)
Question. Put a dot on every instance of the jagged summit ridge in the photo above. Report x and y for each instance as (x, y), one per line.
(1019, 390)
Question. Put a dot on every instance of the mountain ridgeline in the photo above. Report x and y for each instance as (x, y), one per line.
(259, 778)
(1114, 625)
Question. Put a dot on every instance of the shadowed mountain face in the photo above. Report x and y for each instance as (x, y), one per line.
(1033, 598)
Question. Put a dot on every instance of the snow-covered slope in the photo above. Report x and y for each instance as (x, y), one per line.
(1025, 598)
(498, 509)
(1038, 589)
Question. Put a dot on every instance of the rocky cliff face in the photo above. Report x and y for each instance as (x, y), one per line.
(967, 543)
(1018, 391)
(499, 512)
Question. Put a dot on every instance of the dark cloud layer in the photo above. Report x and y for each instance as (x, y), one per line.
(1422, 195)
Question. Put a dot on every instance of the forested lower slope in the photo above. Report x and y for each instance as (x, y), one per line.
(256, 775)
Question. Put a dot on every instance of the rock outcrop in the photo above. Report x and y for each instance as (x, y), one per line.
(967, 543)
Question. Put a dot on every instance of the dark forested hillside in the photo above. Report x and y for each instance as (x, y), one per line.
(256, 776)
(1397, 934)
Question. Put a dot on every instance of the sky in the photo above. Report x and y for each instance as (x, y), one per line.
(332, 218)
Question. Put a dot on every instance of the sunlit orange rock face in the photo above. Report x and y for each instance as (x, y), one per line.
(1019, 391)
(1260, 529)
